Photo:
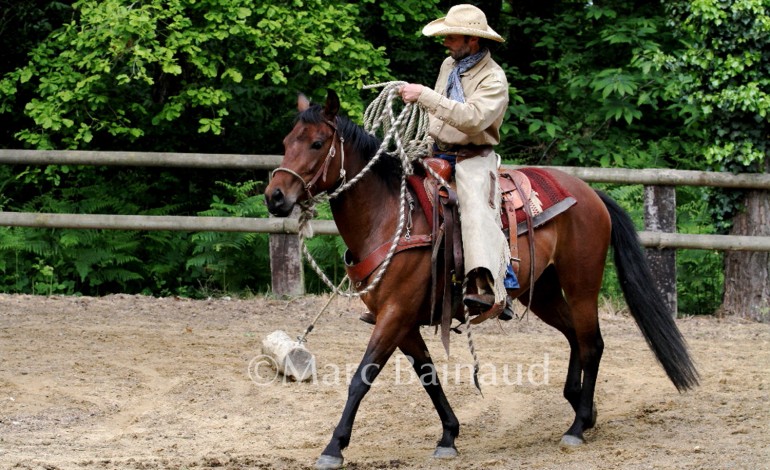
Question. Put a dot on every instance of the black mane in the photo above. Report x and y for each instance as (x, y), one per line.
(388, 167)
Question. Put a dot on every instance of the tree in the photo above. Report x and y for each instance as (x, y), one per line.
(724, 89)
(586, 89)
(181, 75)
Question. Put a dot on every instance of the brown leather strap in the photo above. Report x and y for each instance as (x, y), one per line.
(448, 200)
(513, 240)
(358, 272)
(471, 151)
(438, 239)
(464, 151)
(531, 234)
(493, 312)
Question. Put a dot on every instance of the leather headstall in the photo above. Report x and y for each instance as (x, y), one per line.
(323, 170)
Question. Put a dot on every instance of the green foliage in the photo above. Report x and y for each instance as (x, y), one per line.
(722, 83)
(590, 91)
(700, 278)
(616, 83)
(122, 73)
(163, 76)
(233, 261)
(79, 261)
(396, 26)
(328, 252)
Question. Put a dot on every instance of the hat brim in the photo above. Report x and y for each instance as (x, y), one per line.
(439, 28)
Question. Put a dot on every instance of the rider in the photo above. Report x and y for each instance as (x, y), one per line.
(466, 109)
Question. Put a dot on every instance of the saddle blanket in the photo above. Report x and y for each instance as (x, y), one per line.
(553, 197)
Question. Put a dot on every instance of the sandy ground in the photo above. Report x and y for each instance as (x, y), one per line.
(130, 382)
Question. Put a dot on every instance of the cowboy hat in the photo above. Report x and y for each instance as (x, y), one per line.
(466, 20)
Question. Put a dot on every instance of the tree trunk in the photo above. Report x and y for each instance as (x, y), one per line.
(747, 274)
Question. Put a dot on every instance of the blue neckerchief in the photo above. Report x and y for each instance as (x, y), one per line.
(454, 89)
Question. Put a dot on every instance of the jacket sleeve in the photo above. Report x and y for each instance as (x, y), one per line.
(484, 104)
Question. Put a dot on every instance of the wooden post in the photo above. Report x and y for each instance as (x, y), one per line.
(286, 271)
(660, 216)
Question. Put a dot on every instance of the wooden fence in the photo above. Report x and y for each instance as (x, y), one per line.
(660, 204)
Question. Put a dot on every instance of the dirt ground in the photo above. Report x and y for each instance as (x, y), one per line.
(131, 382)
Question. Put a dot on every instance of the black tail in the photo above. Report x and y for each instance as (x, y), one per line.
(645, 302)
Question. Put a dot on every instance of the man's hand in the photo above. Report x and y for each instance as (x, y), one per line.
(410, 92)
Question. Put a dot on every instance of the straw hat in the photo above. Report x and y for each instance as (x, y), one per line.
(464, 19)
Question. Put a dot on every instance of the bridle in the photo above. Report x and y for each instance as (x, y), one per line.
(321, 173)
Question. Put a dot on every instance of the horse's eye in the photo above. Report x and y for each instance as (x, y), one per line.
(317, 145)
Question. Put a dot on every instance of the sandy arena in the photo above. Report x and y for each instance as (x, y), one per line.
(131, 382)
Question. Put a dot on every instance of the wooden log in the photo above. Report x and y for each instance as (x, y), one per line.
(289, 357)
(178, 223)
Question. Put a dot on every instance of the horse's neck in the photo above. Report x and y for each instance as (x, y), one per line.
(366, 215)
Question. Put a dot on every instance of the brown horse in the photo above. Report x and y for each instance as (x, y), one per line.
(570, 253)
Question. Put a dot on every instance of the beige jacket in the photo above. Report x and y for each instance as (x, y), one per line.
(478, 120)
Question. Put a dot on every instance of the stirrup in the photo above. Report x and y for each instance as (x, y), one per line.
(507, 314)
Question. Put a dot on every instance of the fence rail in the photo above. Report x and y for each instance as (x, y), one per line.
(146, 159)
(276, 225)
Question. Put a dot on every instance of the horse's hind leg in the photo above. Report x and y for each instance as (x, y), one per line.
(578, 321)
(416, 351)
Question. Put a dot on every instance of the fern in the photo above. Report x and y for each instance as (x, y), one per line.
(233, 261)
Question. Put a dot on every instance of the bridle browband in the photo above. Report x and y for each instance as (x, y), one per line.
(321, 173)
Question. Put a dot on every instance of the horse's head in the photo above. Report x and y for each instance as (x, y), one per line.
(313, 157)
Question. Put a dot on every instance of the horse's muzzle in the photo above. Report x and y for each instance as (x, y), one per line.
(277, 204)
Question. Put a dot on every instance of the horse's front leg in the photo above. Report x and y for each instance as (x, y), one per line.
(417, 352)
(382, 344)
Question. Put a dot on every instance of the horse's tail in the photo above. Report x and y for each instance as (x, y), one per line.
(645, 302)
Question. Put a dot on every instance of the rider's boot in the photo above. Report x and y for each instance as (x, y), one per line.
(479, 296)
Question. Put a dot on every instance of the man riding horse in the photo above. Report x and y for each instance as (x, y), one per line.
(466, 109)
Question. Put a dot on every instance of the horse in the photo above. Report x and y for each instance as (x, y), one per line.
(565, 277)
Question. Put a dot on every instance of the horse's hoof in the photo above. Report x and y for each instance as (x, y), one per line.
(570, 442)
(328, 462)
(445, 453)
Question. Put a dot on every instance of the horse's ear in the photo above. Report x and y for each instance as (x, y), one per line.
(332, 106)
(302, 102)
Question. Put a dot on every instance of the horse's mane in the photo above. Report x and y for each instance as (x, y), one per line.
(365, 144)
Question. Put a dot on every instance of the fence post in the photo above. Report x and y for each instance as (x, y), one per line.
(286, 271)
(660, 216)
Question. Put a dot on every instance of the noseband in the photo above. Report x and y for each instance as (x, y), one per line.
(321, 173)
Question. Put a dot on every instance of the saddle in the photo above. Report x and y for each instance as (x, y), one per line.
(437, 200)
(521, 211)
